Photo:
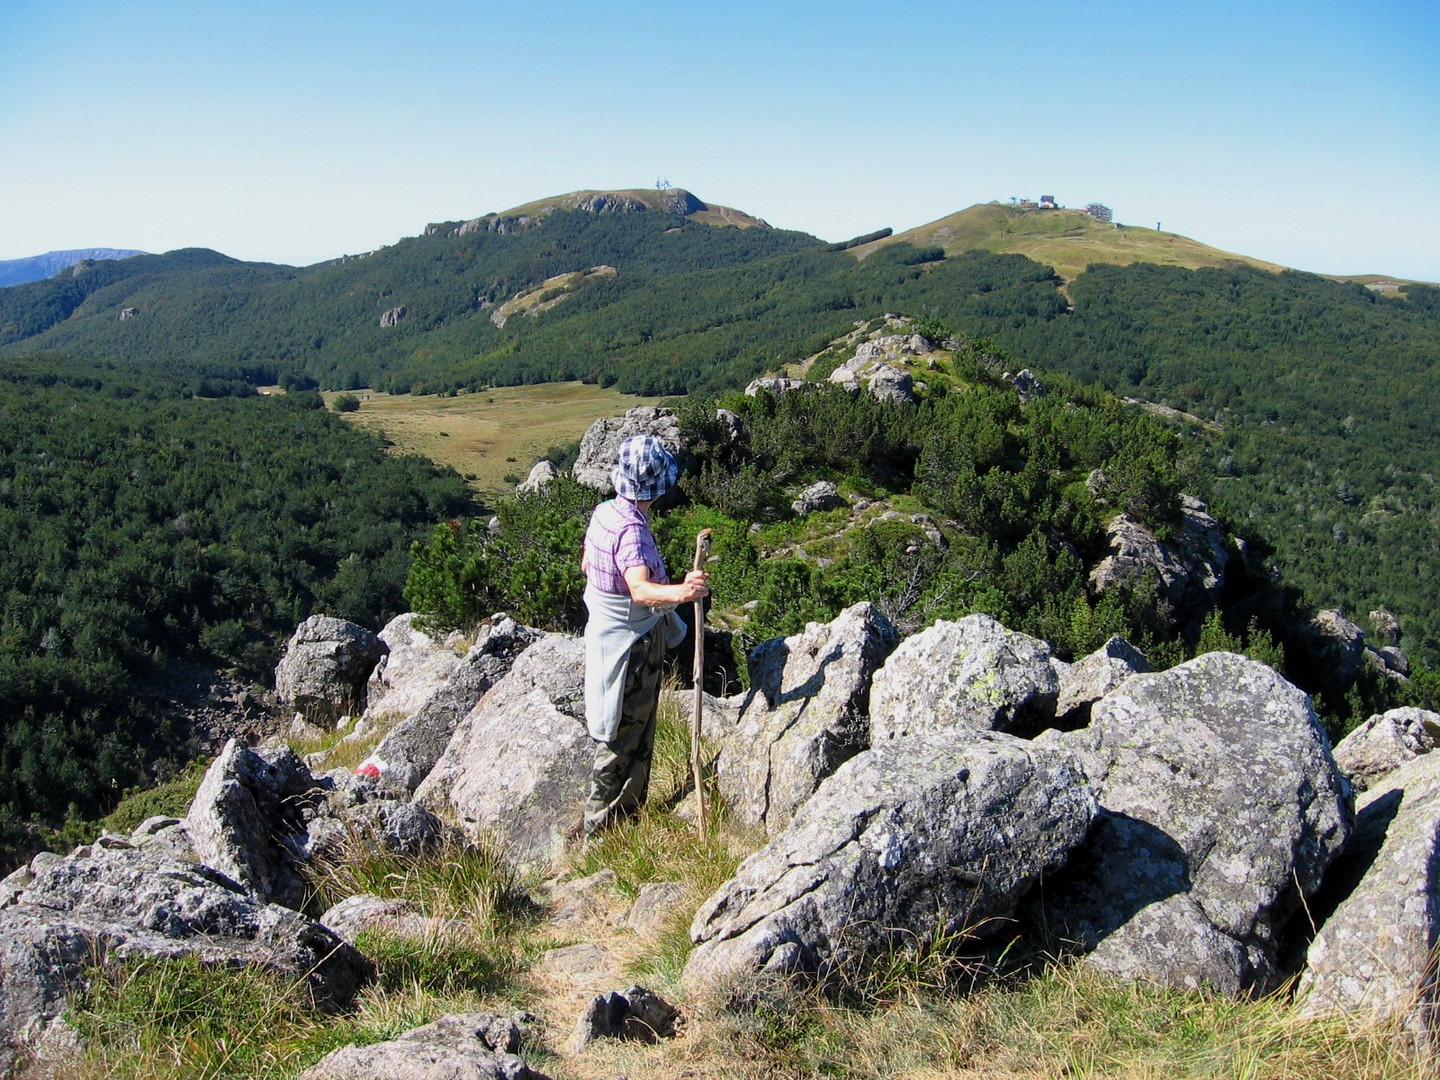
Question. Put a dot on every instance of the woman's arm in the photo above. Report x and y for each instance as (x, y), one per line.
(645, 591)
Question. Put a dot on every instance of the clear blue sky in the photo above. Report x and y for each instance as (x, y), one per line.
(1303, 133)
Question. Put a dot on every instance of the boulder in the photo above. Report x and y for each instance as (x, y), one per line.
(518, 766)
(655, 904)
(1385, 742)
(412, 747)
(973, 673)
(392, 316)
(914, 839)
(414, 666)
(1088, 680)
(1188, 570)
(1374, 957)
(1334, 646)
(774, 385)
(105, 903)
(820, 495)
(635, 1014)
(469, 1046)
(542, 474)
(365, 911)
(245, 816)
(1028, 385)
(1221, 810)
(807, 711)
(1386, 626)
(326, 666)
(600, 445)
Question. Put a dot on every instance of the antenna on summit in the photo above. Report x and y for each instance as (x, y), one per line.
(663, 184)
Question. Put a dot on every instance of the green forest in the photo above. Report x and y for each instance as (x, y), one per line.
(141, 526)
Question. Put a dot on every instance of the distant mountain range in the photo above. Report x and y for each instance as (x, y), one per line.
(40, 267)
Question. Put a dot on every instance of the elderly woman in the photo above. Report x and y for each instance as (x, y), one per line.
(632, 621)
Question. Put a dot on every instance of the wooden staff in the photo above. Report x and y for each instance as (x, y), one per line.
(702, 552)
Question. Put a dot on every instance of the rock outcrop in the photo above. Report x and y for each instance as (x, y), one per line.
(518, 765)
(1221, 810)
(542, 474)
(468, 1046)
(820, 495)
(109, 901)
(1375, 957)
(411, 749)
(600, 445)
(775, 385)
(1334, 645)
(807, 711)
(1188, 570)
(413, 667)
(1089, 679)
(973, 673)
(914, 839)
(326, 666)
(1386, 742)
(636, 1014)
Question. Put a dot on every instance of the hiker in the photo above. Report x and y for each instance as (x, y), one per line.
(632, 622)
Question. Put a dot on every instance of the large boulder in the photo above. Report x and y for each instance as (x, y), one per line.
(1333, 647)
(1385, 742)
(326, 666)
(600, 445)
(821, 495)
(1222, 809)
(973, 673)
(775, 385)
(518, 766)
(1188, 570)
(105, 903)
(1089, 679)
(542, 474)
(807, 711)
(411, 749)
(914, 839)
(469, 1046)
(245, 816)
(1374, 958)
(414, 667)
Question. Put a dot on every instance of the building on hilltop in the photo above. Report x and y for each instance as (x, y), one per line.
(1099, 212)
(1047, 202)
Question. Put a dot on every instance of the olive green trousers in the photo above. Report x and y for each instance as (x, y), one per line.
(620, 775)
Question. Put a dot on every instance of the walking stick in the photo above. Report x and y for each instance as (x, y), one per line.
(702, 551)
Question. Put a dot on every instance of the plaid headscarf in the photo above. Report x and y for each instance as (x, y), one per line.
(644, 470)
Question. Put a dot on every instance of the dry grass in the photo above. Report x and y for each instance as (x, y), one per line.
(486, 436)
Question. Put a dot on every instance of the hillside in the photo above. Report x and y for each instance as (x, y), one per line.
(1067, 240)
(39, 267)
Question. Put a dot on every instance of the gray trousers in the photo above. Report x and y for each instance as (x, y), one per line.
(620, 776)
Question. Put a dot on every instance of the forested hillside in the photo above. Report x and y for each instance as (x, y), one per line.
(139, 527)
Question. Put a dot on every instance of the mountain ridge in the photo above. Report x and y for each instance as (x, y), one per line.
(39, 267)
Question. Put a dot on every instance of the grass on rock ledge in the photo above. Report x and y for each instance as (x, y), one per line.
(918, 1015)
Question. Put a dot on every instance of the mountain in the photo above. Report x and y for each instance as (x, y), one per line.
(39, 267)
(1067, 240)
(1317, 394)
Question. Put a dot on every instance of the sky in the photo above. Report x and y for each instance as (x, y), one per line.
(1302, 133)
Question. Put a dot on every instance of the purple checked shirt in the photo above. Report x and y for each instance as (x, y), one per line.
(618, 538)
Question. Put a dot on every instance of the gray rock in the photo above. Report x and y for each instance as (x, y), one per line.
(325, 667)
(585, 959)
(807, 711)
(916, 838)
(247, 809)
(414, 667)
(1188, 570)
(820, 495)
(392, 316)
(1222, 809)
(1394, 660)
(655, 904)
(774, 385)
(634, 1014)
(542, 474)
(1374, 958)
(890, 383)
(1385, 742)
(365, 911)
(1089, 679)
(470, 1046)
(1386, 626)
(1028, 385)
(600, 445)
(1335, 645)
(973, 673)
(115, 904)
(518, 765)
(412, 747)
(583, 898)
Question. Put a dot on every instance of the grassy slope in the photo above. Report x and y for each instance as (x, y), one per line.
(485, 436)
(1068, 240)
